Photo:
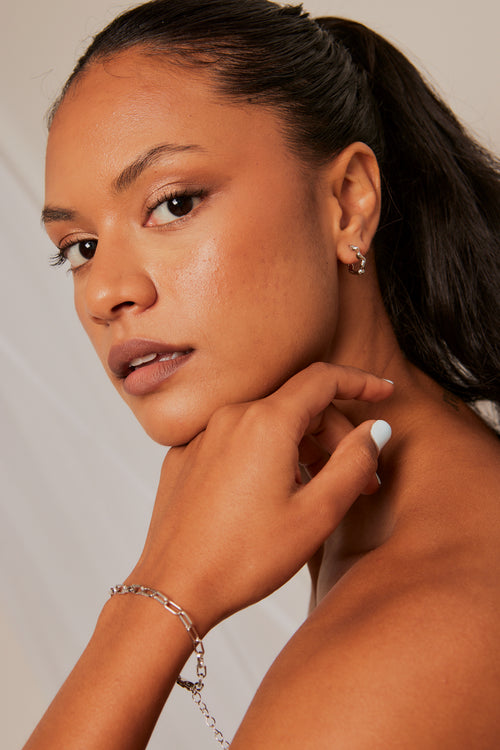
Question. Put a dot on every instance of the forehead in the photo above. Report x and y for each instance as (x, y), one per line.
(129, 81)
(121, 106)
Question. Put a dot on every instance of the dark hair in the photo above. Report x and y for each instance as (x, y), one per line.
(335, 82)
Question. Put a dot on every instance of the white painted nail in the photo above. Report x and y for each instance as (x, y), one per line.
(380, 433)
(378, 479)
(388, 381)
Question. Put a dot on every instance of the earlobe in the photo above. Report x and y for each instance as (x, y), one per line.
(355, 182)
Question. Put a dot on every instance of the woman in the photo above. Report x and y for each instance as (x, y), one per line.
(259, 210)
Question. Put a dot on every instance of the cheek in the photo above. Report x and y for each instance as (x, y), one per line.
(261, 308)
(280, 290)
(96, 333)
(257, 304)
(254, 319)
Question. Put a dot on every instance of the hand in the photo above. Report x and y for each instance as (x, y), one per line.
(232, 520)
(321, 440)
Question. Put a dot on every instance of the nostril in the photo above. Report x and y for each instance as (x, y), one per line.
(110, 293)
(117, 307)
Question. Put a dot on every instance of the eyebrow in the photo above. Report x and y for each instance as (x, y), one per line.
(126, 177)
(134, 170)
(51, 213)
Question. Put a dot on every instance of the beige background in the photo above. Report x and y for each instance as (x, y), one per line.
(77, 474)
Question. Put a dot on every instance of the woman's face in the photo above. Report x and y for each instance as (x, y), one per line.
(195, 236)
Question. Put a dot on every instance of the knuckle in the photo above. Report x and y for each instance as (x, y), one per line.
(256, 410)
(233, 416)
(321, 368)
(222, 417)
(256, 417)
(225, 413)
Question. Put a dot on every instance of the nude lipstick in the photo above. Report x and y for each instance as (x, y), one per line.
(144, 364)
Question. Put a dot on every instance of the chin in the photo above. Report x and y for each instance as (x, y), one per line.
(174, 417)
(173, 422)
(172, 432)
(172, 427)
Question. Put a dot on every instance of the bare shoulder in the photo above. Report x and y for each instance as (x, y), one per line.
(403, 650)
(409, 660)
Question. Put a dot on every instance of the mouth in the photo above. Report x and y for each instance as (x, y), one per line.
(154, 357)
(138, 354)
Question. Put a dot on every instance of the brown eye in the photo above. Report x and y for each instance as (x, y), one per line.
(170, 209)
(181, 205)
(80, 252)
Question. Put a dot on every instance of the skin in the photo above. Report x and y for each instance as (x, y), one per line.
(195, 283)
(405, 608)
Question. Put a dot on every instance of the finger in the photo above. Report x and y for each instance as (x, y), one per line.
(310, 451)
(322, 437)
(312, 457)
(329, 428)
(373, 485)
(332, 427)
(329, 495)
(310, 391)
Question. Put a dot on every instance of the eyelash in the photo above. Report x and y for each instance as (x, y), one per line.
(170, 195)
(59, 258)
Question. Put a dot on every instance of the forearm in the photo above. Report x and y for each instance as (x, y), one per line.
(247, 530)
(114, 695)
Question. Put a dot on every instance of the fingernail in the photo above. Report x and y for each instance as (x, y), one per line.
(378, 479)
(388, 381)
(380, 433)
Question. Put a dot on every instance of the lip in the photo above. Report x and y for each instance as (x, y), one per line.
(149, 377)
(120, 355)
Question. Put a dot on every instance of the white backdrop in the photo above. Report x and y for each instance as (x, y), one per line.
(78, 477)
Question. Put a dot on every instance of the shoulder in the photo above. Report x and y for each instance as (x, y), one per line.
(403, 650)
(401, 653)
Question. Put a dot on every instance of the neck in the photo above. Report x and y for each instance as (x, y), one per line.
(419, 413)
(364, 338)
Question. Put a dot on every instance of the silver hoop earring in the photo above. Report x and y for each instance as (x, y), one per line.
(357, 268)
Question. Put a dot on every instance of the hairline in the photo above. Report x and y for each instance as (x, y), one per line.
(185, 57)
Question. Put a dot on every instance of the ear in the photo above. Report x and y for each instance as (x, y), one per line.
(355, 185)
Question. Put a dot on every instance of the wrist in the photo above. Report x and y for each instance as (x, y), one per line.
(139, 623)
(186, 589)
(173, 609)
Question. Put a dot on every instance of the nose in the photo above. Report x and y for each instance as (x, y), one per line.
(117, 280)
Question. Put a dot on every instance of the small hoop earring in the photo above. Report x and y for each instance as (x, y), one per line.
(357, 268)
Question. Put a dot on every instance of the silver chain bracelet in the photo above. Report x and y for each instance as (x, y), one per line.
(194, 688)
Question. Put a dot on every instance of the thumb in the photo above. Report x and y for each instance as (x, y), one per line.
(346, 474)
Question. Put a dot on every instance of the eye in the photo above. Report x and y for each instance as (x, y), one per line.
(79, 253)
(170, 208)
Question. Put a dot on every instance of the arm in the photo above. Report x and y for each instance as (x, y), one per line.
(115, 693)
(413, 672)
(227, 495)
(402, 651)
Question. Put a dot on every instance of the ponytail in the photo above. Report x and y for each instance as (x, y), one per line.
(438, 246)
(335, 82)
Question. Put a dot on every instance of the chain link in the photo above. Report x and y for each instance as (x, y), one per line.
(194, 688)
(209, 719)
